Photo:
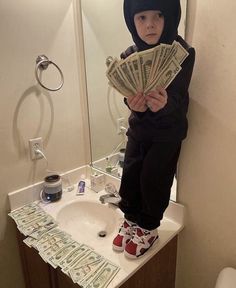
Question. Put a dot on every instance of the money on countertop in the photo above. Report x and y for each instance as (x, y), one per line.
(56, 247)
(85, 265)
(103, 277)
(55, 259)
(24, 211)
(73, 257)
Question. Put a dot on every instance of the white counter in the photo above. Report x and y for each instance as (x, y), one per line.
(171, 225)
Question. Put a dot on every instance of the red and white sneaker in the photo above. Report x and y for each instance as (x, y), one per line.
(124, 235)
(141, 241)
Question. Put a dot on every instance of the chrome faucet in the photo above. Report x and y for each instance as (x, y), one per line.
(112, 196)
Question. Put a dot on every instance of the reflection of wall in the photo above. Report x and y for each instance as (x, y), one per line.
(105, 34)
(100, 43)
(206, 183)
(29, 28)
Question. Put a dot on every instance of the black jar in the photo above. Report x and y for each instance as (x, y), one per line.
(52, 188)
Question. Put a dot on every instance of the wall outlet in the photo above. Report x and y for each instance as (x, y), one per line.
(120, 123)
(34, 145)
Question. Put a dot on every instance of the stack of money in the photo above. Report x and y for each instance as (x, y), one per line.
(56, 247)
(32, 219)
(144, 71)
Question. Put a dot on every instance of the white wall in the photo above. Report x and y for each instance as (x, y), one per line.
(27, 29)
(206, 184)
(105, 35)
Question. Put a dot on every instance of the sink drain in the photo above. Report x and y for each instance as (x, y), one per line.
(102, 234)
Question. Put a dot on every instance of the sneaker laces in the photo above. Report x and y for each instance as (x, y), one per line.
(127, 230)
(140, 238)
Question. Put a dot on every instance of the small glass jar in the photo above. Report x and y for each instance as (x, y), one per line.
(121, 157)
(52, 188)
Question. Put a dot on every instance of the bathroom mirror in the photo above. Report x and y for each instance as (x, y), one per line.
(105, 34)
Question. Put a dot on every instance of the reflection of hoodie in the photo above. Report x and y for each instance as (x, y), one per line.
(170, 123)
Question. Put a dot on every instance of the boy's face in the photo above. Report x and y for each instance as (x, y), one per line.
(149, 25)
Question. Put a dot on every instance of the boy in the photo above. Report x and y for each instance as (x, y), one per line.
(157, 126)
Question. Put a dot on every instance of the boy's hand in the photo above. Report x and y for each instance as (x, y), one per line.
(137, 102)
(156, 100)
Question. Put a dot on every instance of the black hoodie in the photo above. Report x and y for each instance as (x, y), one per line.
(170, 123)
(171, 11)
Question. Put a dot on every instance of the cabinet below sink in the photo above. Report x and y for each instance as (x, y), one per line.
(159, 271)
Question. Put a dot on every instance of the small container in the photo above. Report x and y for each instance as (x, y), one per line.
(97, 182)
(121, 157)
(81, 186)
(52, 188)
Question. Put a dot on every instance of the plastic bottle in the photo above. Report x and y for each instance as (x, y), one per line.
(81, 186)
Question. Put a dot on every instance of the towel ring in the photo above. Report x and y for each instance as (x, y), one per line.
(42, 63)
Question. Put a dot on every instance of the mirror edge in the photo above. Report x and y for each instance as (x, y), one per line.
(80, 52)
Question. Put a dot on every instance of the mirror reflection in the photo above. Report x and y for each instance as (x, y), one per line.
(106, 36)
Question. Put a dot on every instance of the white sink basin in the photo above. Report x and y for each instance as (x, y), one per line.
(87, 221)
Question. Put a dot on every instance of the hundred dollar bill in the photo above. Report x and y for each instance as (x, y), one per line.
(119, 86)
(24, 211)
(167, 51)
(53, 239)
(167, 76)
(120, 82)
(178, 52)
(125, 71)
(130, 67)
(46, 236)
(90, 276)
(112, 66)
(146, 61)
(30, 218)
(55, 259)
(168, 56)
(67, 263)
(158, 55)
(122, 90)
(137, 71)
(85, 265)
(104, 276)
(46, 254)
(181, 53)
(37, 224)
(21, 217)
(133, 68)
(125, 77)
(29, 241)
(36, 234)
(116, 87)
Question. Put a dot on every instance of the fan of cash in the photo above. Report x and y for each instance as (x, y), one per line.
(144, 71)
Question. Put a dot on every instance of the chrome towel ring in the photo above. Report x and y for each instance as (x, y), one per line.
(42, 63)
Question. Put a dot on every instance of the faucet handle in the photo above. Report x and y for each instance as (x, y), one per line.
(111, 189)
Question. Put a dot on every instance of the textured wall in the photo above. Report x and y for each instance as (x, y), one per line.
(207, 168)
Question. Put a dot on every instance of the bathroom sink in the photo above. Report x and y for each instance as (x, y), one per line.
(90, 222)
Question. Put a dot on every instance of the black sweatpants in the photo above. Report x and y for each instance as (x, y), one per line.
(148, 174)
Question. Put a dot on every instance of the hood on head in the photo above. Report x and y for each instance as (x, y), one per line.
(171, 11)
